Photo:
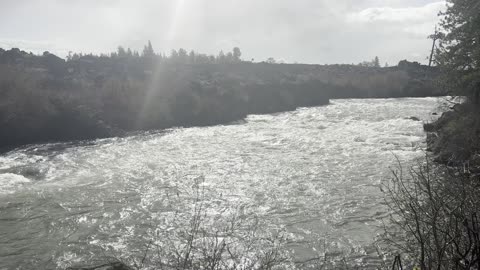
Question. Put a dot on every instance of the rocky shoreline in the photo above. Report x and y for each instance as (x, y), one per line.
(453, 137)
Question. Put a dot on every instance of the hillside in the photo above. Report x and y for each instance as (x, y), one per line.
(46, 98)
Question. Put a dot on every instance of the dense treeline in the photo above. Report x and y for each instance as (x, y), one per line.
(45, 98)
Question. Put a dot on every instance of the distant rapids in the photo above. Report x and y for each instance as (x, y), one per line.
(313, 173)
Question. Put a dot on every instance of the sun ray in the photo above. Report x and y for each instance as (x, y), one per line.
(177, 16)
(155, 80)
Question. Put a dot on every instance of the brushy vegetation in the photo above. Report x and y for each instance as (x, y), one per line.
(454, 136)
(46, 98)
(435, 209)
(436, 205)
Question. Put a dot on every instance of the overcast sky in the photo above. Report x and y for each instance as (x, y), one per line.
(306, 31)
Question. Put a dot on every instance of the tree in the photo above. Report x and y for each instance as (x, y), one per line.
(236, 54)
(366, 64)
(202, 58)
(376, 62)
(191, 57)
(69, 56)
(221, 57)
(229, 57)
(121, 51)
(174, 55)
(271, 60)
(148, 50)
(458, 53)
(183, 55)
(434, 37)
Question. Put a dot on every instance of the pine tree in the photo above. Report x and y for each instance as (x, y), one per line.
(376, 62)
(121, 51)
(148, 50)
(458, 52)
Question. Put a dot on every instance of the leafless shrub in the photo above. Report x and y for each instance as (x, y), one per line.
(231, 241)
(435, 212)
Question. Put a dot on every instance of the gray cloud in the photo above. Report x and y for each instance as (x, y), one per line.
(311, 31)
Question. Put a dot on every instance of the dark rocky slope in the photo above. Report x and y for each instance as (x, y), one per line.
(454, 138)
(45, 98)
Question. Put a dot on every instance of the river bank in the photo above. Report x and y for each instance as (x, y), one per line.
(46, 99)
(454, 137)
(437, 199)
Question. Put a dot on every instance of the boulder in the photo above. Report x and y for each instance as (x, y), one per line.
(414, 118)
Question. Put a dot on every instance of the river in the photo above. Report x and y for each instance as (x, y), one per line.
(313, 175)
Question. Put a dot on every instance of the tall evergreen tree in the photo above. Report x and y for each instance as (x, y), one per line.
(376, 62)
(121, 51)
(148, 50)
(458, 52)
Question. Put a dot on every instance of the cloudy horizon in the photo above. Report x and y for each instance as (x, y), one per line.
(307, 31)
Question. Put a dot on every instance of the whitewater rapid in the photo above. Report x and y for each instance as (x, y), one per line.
(313, 173)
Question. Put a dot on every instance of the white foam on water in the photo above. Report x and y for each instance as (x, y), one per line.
(9, 182)
(311, 172)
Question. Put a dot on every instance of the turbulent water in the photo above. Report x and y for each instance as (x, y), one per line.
(313, 174)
